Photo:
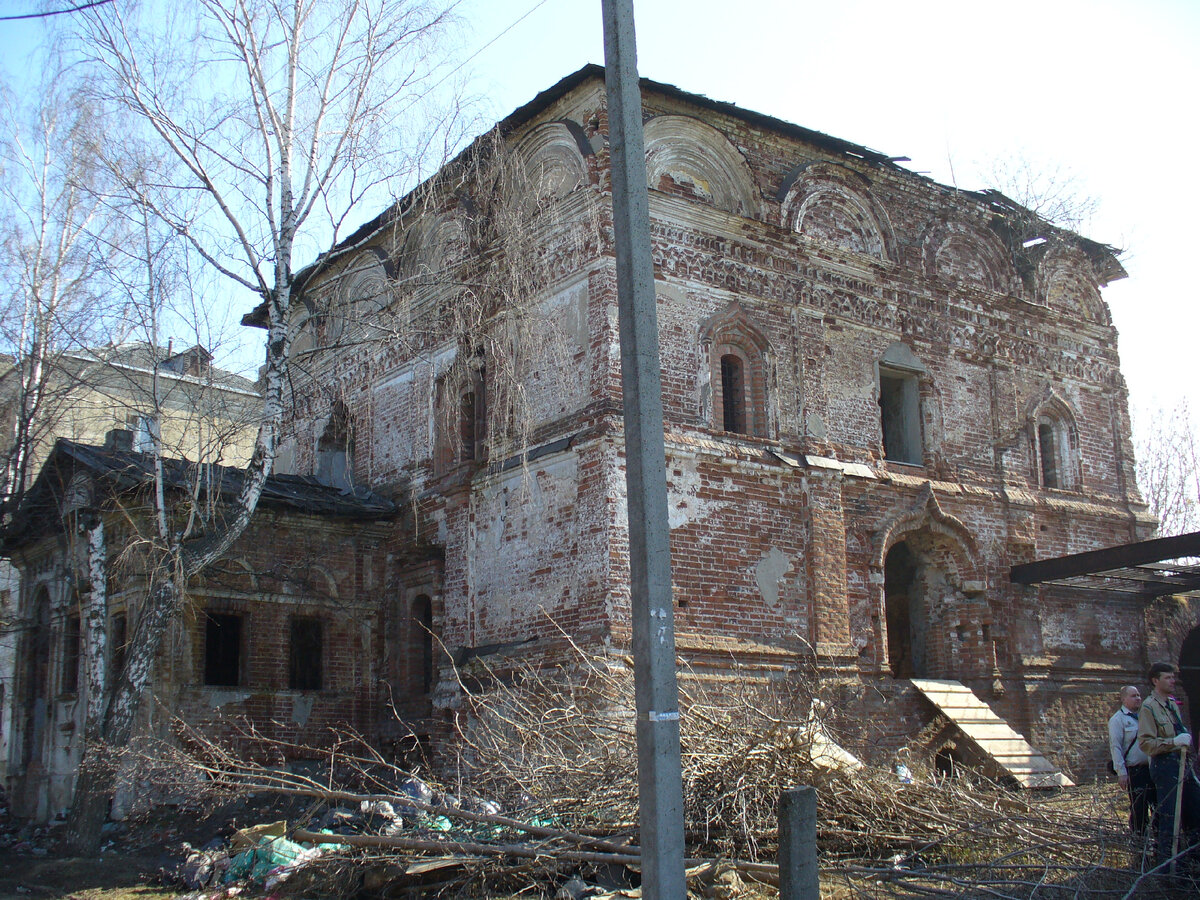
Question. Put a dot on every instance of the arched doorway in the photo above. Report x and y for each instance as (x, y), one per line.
(904, 604)
(1189, 672)
(938, 620)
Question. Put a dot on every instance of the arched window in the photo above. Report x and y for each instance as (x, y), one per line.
(1054, 446)
(1048, 453)
(462, 417)
(736, 355)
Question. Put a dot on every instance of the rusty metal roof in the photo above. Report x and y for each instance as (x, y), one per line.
(124, 471)
(129, 469)
(1140, 570)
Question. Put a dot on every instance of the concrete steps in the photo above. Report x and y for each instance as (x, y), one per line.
(990, 734)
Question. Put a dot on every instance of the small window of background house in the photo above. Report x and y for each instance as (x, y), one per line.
(222, 649)
(70, 657)
(305, 651)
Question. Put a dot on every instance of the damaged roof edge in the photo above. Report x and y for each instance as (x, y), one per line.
(257, 317)
(127, 470)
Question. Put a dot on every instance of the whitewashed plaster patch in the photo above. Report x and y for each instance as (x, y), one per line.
(769, 572)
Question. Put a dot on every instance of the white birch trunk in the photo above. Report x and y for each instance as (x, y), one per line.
(95, 632)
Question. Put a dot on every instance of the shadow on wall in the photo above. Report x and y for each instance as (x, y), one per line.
(1189, 672)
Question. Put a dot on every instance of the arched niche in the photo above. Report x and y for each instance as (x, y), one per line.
(361, 292)
(1067, 282)
(957, 252)
(303, 323)
(687, 157)
(552, 157)
(429, 255)
(827, 202)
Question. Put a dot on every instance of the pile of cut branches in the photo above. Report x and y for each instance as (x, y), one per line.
(545, 786)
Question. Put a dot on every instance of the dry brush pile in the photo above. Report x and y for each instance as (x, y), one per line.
(545, 785)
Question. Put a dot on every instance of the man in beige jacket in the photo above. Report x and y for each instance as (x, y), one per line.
(1162, 737)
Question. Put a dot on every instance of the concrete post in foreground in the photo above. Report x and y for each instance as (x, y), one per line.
(798, 845)
(660, 784)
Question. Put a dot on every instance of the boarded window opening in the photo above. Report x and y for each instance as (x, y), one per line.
(305, 654)
(70, 669)
(1048, 451)
(222, 649)
(733, 394)
(900, 417)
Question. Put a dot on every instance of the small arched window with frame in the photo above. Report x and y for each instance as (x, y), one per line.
(1054, 445)
(1054, 448)
(737, 357)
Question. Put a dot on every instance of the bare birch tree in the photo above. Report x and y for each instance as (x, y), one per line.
(1168, 467)
(1052, 193)
(275, 119)
(55, 236)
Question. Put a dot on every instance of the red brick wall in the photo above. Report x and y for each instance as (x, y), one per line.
(772, 551)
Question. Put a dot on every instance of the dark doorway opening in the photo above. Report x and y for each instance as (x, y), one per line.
(947, 763)
(305, 654)
(904, 605)
(422, 642)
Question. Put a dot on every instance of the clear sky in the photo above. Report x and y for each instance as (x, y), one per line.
(1102, 89)
(1107, 91)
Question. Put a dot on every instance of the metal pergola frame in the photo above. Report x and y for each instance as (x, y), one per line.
(1141, 570)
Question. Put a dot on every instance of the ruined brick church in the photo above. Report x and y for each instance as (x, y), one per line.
(880, 394)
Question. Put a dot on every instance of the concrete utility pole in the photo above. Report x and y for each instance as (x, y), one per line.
(798, 875)
(660, 784)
